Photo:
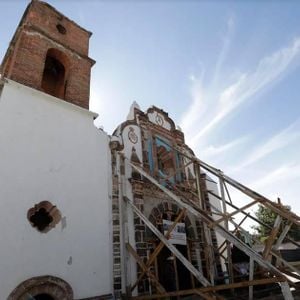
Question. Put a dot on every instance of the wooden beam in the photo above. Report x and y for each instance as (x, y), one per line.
(234, 232)
(254, 219)
(283, 235)
(287, 272)
(203, 295)
(252, 194)
(272, 237)
(208, 246)
(227, 192)
(286, 291)
(159, 247)
(251, 273)
(130, 249)
(227, 216)
(290, 266)
(171, 247)
(207, 219)
(213, 288)
(285, 262)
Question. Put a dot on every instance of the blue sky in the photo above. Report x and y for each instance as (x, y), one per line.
(226, 71)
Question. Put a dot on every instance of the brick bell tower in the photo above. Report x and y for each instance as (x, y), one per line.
(49, 52)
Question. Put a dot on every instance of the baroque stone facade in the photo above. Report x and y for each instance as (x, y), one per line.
(149, 140)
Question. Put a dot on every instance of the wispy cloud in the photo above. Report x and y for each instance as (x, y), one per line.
(271, 177)
(198, 105)
(200, 96)
(280, 140)
(217, 99)
(227, 37)
(268, 70)
(212, 151)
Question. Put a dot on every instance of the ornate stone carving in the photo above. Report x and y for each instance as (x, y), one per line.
(55, 287)
(132, 136)
(159, 120)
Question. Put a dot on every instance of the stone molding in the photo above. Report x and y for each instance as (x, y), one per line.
(54, 286)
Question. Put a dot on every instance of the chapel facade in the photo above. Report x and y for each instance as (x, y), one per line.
(151, 140)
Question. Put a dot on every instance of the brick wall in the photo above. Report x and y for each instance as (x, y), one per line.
(46, 18)
(25, 60)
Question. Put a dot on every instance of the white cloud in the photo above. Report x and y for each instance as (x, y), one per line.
(200, 99)
(212, 151)
(214, 102)
(282, 139)
(268, 70)
(198, 105)
(281, 182)
(272, 177)
(227, 37)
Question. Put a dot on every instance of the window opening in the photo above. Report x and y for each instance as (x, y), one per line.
(41, 219)
(44, 216)
(53, 81)
(165, 162)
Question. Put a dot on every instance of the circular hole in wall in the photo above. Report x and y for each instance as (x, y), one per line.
(61, 29)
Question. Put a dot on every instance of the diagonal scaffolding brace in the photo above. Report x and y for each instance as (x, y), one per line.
(193, 209)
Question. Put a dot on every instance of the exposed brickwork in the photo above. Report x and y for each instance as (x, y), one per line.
(116, 246)
(140, 233)
(25, 59)
(46, 18)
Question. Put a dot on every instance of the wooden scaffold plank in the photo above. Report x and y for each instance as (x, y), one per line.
(220, 287)
(159, 287)
(159, 248)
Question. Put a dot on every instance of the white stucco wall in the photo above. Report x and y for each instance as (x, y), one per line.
(50, 150)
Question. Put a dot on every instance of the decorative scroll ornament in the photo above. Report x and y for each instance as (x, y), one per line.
(132, 136)
(159, 120)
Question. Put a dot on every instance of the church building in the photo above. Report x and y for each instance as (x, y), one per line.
(62, 220)
(89, 216)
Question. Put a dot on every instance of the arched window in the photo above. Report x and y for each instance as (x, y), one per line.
(54, 75)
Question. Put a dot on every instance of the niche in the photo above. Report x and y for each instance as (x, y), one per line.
(54, 79)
